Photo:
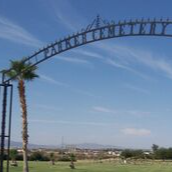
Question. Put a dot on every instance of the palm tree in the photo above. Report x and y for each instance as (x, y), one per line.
(22, 72)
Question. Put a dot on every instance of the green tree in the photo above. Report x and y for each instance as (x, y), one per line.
(38, 156)
(155, 148)
(161, 153)
(22, 72)
(129, 153)
(52, 158)
(13, 156)
(72, 159)
(169, 153)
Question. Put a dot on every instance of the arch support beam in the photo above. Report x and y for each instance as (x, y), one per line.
(5, 134)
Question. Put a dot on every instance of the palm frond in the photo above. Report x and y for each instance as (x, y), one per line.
(21, 70)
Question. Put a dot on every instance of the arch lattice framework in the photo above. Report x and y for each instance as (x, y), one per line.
(99, 30)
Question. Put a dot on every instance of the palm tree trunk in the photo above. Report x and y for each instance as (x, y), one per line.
(22, 97)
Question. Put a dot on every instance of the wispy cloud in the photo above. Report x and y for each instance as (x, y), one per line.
(105, 110)
(67, 15)
(47, 107)
(137, 89)
(153, 61)
(119, 56)
(115, 64)
(86, 93)
(67, 86)
(15, 33)
(69, 20)
(53, 81)
(73, 60)
(67, 122)
(88, 53)
(136, 132)
(126, 57)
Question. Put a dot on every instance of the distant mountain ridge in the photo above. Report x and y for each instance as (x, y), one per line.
(95, 146)
(15, 144)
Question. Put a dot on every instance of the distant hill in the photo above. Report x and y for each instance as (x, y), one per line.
(15, 144)
(95, 146)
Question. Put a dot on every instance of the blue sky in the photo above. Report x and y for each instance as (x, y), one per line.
(115, 92)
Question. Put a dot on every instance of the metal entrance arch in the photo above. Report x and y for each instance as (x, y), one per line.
(98, 30)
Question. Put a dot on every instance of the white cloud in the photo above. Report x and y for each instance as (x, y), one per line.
(136, 132)
(103, 110)
(15, 33)
(126, 57)
(87, 93)
(67, 15)
(113, 62)
(47, 107)
(73, 60)
(118, 55)
(153, 61)
(67, 122)
(137, 113)
(65, 85)
(88, 53)
(135, 88)
(53, 81)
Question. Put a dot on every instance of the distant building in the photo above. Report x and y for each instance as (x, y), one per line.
(114, 153)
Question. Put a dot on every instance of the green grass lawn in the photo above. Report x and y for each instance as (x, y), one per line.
(94, 167)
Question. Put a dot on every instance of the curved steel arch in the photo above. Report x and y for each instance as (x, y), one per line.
(100, 30)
